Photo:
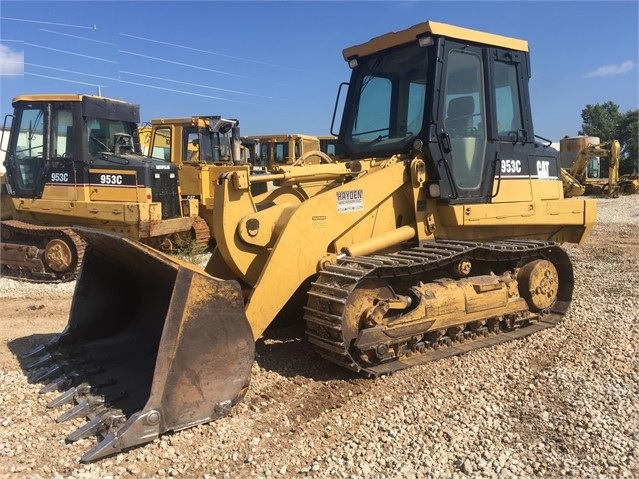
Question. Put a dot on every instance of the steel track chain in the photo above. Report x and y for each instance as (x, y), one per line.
(330, 293)
(34, 235)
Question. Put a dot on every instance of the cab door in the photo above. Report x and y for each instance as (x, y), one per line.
(41, 152)
(25, 158)
(462, 125)
(517, 160)
(191, 169)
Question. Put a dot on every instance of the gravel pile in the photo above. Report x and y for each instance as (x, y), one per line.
(562, 402)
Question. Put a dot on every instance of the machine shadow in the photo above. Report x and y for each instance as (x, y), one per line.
(19, 347)
(282, 349)
(285, 350)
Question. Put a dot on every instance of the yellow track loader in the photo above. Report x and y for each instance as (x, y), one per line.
(72, 160)
(439, 233)
(202, 148)
(288, 149)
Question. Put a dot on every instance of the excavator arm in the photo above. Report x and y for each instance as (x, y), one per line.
(575, 180)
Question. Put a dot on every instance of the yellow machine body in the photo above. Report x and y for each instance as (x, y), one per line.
(437, 232)
(72, 160)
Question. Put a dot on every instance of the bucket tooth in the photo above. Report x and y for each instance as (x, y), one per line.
(37, 351)
(69, 396)
(91, 403)
(104, 422)
(89, 429)
(141, 427)
(108, 446)
(41, 348)
(52, 372)
(58, 383)
(40, 362)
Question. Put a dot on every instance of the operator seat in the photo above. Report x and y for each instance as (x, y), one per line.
(459, 117)
(464, 141)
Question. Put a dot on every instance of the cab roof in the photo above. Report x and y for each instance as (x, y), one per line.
(61, 97)
(283, 137)
(392, 39)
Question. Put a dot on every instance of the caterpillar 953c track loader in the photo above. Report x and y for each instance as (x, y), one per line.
(202, 148)
(72, 160)
(438, 234)
(290, 148)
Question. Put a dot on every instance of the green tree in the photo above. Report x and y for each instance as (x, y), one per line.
(606, 122)
(601, 120)
(629, 137)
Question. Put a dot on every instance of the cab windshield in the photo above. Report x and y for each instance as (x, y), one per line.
(387, 111)
(101, 134)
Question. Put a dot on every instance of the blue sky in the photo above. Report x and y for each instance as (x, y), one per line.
(276, 66)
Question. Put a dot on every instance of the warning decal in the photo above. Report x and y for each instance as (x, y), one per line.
(350, 201)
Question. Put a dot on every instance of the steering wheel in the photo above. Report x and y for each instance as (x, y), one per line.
(324, 158)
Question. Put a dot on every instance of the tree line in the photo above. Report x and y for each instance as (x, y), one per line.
(608, 123)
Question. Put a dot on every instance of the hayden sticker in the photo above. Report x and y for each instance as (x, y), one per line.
(350, 200)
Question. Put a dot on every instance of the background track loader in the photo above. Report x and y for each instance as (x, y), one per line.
(73, 160)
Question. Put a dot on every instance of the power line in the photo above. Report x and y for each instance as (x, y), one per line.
(71, 53)
(71, 71)
(195, 84)
(223, 55)
(189, 65)
(189, 93)
(145, 76)
(78, 37)
(62, 79)
(92, 27)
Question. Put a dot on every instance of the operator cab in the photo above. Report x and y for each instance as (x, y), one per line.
(197, 140)
(457, 96)
(51, 135)
(83, 148)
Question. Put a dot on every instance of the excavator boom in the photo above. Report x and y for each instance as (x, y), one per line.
(576, 179)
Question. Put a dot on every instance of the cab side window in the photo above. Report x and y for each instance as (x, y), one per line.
(508, 110)
(29, 150)
(191, 146)
(62, 134)
(161, 147)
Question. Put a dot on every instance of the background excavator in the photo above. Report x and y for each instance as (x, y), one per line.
(583, 174)
(72, 160)
(437, 233)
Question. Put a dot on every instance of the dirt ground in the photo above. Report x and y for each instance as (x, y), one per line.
(304, 417)
(26, 322)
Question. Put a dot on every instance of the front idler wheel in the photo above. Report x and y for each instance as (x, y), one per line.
(538, 284)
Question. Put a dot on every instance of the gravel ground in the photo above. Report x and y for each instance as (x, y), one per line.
(562, 402)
